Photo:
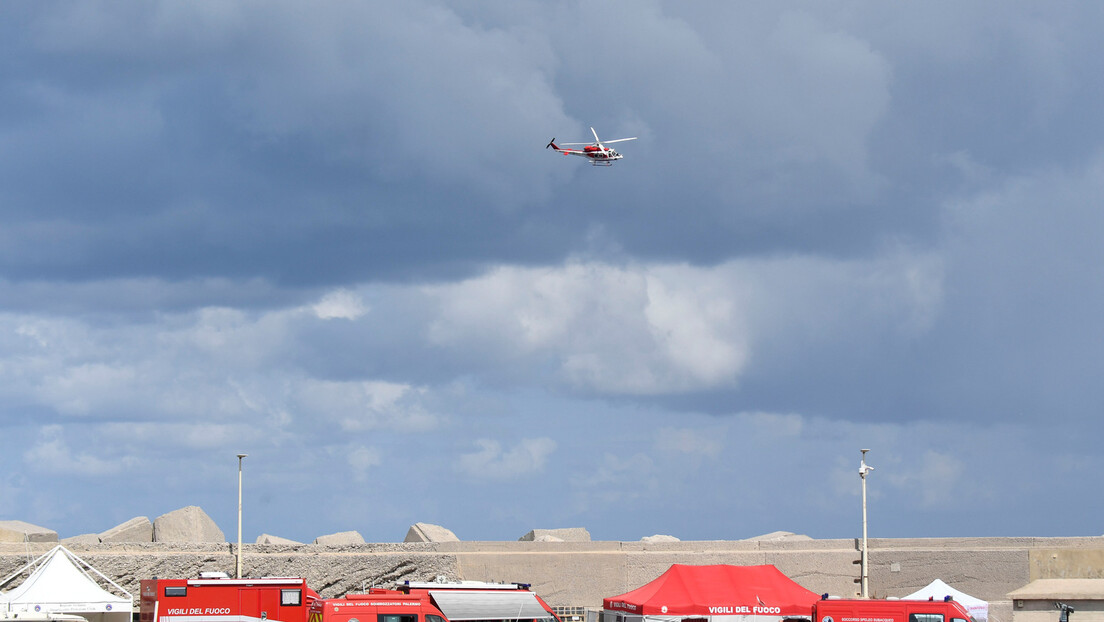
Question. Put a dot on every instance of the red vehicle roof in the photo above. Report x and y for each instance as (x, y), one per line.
(717, 590)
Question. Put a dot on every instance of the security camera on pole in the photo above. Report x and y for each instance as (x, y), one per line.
(864, 468)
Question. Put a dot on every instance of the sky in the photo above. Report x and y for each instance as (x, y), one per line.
(329, 235)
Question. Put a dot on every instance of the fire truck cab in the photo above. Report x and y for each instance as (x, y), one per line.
(378, 605)
(215, 598)
(877, 610)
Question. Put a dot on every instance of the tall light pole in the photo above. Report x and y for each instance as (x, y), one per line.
(240, 456)
(864, 577)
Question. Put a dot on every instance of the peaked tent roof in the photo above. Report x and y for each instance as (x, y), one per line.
(60, 582)
(937, 589)
(717, 590)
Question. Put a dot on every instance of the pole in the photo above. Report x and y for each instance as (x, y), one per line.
(864, 577)
(240, 456)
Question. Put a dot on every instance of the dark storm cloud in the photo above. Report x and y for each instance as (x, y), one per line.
(248, 140)
(201, 141)
(218, 135)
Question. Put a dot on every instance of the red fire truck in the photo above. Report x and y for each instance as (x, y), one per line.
(378, 605)
(215, 598)
(877, 610)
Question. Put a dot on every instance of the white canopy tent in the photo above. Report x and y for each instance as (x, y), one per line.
(61, 582)
(938, 590)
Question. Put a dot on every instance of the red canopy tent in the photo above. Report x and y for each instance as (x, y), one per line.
(720, 593)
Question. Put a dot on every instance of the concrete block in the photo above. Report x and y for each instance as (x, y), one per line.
(87, 539)
(568, 534)
(343, 538)
(265, 538)
(137, 529)
(188, 524)
(425, 532)
(19, 531)
(776, 536)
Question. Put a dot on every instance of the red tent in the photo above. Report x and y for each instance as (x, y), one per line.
(717, 591)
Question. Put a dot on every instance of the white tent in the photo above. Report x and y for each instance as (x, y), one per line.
(938, 590)
(61, 582)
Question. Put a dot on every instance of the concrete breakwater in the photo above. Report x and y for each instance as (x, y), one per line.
(580, 574)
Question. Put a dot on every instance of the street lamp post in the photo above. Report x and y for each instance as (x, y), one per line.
(864, 577)
(240, 456)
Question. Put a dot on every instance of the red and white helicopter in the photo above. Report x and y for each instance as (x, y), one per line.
(597, 152)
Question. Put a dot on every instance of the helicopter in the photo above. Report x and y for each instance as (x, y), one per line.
(597, 152)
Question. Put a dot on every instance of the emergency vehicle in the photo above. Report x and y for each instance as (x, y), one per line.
(216, 598)
(378, 605)
(878, 610)
(479, 601)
